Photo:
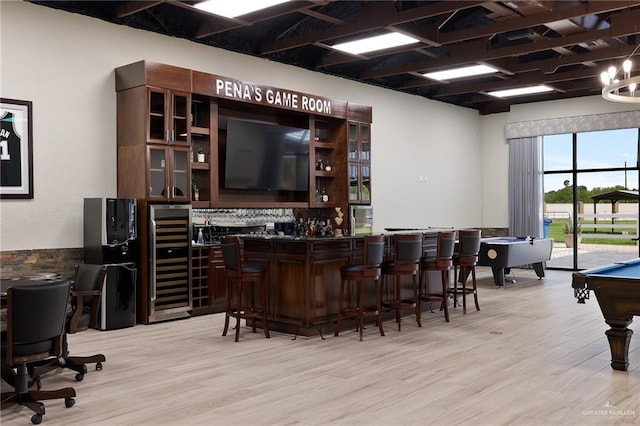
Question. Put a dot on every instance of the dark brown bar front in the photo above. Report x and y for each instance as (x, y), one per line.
(303, 278)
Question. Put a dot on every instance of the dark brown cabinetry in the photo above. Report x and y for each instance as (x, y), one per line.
(208, 280)
(168, 176)
(327, 186)
(200, 151)
(168, 114)
(163, 110)
(172, 135)
(153, 127)
(359, 142)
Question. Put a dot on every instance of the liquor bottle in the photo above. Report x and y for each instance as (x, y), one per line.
(325, 196)
(200, 156)
(196, 191)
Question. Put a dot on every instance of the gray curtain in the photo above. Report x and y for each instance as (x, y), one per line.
(526, 187)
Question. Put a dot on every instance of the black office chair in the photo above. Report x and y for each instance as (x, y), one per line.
(35, 329)
(86, 295)
(84, 305)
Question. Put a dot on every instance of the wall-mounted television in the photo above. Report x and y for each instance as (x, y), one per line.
(266, 156)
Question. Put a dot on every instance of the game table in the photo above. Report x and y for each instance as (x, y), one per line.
(504, 253)
(617, 289)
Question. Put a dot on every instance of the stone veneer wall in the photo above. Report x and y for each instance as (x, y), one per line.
(495, 232)
(18, 263)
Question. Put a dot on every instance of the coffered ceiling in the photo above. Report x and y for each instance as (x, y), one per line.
(562, 44)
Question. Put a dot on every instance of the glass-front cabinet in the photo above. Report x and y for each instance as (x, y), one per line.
(326, 185)
(200, 151)
(359, 163)
(169, 174)
(168, 116)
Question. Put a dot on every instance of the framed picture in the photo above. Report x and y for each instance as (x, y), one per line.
(16, 149)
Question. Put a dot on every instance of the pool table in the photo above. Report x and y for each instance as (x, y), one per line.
(617, 288)
(504, 253)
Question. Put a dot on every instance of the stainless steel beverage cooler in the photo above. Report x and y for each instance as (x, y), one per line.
(169, 278)
(360, 220)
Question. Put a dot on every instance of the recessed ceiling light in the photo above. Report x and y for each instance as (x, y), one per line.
(374, 43)
(520, 91)
(234, 8)
(454, 73)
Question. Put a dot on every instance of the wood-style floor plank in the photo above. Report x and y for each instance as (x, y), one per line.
(531, 356)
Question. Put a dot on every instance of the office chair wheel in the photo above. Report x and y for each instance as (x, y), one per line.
(98, 366)
(69, 402)
(36, 419)
(79, 377)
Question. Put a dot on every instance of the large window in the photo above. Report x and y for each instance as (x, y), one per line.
(591, 183)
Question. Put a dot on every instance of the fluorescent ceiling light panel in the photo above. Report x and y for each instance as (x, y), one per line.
(454, 73)
(374, 43)
(520, 91)
(234, 8)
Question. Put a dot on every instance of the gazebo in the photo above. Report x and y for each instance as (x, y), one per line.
(614, 197)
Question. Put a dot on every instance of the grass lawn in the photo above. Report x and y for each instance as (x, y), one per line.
(556, 231)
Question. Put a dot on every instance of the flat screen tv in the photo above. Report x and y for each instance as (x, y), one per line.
(266, 156)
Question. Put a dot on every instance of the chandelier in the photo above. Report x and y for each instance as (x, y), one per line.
(624, 90)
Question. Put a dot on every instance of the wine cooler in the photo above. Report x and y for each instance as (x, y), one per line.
(169, 262)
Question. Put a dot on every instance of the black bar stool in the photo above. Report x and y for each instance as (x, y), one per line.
(238, 274)
(407, 250)
(466, 258)
(368, 270)
(441, 260)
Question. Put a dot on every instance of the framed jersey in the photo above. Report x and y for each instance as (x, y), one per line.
(16, 149)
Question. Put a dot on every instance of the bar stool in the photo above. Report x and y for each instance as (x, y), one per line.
(466, 258)
(368, 270)
(441, 260)
(238, 274)
(406, 262)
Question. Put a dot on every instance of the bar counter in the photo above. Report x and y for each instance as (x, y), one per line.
(303, 278)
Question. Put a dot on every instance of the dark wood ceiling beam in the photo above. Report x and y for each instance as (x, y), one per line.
(133, 7)
(622, 24)
(549, 66)
(322, 17)
(376, 15)
(499, 11)
(589, 8)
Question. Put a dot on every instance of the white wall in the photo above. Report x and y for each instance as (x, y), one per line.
(64, 64)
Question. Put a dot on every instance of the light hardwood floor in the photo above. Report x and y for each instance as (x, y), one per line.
(531, 356)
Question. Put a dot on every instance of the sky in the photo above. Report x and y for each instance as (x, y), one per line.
(596, 150)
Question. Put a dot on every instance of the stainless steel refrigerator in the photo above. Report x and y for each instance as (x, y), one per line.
(169, 260)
